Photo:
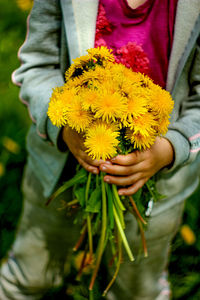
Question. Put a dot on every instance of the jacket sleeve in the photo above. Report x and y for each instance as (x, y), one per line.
(40, 64)
(184, 133)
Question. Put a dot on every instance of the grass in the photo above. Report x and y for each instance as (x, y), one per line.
(184, 266)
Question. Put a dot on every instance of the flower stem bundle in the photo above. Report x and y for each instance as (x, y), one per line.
(117, 111)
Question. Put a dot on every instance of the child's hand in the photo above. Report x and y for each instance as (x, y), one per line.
(133, 170)
(75, 144)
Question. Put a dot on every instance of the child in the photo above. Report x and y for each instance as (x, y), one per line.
(59, 31)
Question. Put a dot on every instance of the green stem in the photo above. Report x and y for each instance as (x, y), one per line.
(122, 234)
(110, 206)
(91, 296)
(118, 205)
(119, 213)
(136, 210)
(113, 250)
(81, 239)
(97, 180)
(103, 234)
(150, 191)
(117, 267)
(90, 241)
(87, 187)
(114, 188)
(143, 238)
(89, 227)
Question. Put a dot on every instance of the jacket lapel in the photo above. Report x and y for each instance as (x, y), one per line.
(184, 39)
(80, 25)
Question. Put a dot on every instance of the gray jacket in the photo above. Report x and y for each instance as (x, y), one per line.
(60, 30)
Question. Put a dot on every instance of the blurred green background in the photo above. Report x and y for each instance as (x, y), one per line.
(184, 267)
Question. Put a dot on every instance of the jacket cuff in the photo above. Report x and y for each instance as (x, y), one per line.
(181, 149)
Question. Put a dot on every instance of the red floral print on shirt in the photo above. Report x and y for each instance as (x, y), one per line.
(103, 26)
(131, 55)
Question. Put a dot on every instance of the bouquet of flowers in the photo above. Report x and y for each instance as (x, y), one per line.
(117, 111)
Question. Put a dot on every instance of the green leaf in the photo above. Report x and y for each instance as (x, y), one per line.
(77, 296)
(80, 178)
(137, 195)
(96, 224)
(94, 201)
(79, 192)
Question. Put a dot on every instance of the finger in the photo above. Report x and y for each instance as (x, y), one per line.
(93, 162)
(125, 180)
(88, 167)
(129, 159)
(121, 170)
(133, 188)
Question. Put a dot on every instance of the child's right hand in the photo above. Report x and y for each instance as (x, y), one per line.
(75, 144)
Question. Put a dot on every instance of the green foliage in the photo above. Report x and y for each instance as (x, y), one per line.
(14, 123)
(94, 202)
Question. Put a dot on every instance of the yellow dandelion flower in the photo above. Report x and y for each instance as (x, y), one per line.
(25, 4)
(75, 82)
(88, 96)
(116, 69)
(60, 99)
(161, 101)
(10, 145)
(134, 77)
(77, 67)
(89, 78)
(162, 126)
(135, 108)
(57, 113)
(146, 81)
(127, 74)
(143, 142)
(78, 118)
(57, 91)
(140, 141)
(143, 124)
(93, 76)
(110, 106)
(114, 126)
(101, 142)
(102, 54)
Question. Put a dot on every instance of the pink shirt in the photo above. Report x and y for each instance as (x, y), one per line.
(141, 38)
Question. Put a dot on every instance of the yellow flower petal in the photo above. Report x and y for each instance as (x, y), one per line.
(57, 113)
(110, 106)
(161, 101)
(143, 124)
(140, 141)
(101, 142)
(78, 118)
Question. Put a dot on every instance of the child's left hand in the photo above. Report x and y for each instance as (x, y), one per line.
(133, 170)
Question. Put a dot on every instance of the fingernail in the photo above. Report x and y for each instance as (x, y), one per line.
(94, 171)
(103, 168)
(106, 179)
(113, 159)
(120, 193)
(108, 162)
